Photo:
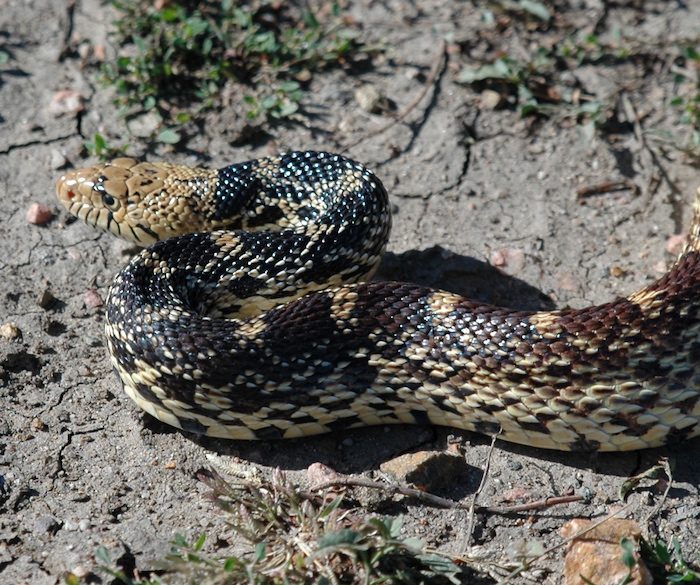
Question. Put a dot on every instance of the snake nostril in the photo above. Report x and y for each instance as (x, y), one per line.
(70, 194)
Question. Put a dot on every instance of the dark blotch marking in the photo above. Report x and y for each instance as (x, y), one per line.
(582, 445)
(420, 416)
(192, 426)
(269, 434)
(269, 215)
(537, 427)
(487, 427)
(341, 424)
(237, 186)
(146, 393)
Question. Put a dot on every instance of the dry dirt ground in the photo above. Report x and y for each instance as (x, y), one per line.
(471, 186)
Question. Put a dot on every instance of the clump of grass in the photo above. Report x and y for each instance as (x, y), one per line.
(176, 57)
(533, 86)
(99, 146)
(665, 562)
(296, 537)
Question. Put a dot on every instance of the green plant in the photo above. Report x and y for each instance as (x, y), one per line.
(99, 147)
(689, 104)
(532, 86)
(666, 562)
(296, 537)
(175, 58)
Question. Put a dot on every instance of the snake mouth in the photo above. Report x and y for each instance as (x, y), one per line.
(103, 219)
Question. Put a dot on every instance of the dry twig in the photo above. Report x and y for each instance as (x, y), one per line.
(472, 506)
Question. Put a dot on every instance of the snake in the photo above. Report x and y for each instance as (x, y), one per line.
(251, 314)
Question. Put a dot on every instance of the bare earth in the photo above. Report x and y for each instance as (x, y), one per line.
(81, 466)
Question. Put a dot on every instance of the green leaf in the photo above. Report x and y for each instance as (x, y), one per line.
(180, 541)
(442, 566)
(170, 13)
(269, 102)
(536, 9)
(330, 507)
(286, 109)
(4, 57)
(310, 19)
(200, 542)
(102, 555)
(413, 544)
(231, 563)
(339, 538)
(289, 86)
(494, 71)
(653, 472)
(627, 545)
(169, 136)
(260, 552)
(71, 579)
(691, 53)
(662, 553)
(140, 43)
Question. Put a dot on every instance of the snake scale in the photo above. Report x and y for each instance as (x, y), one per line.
(249, 317)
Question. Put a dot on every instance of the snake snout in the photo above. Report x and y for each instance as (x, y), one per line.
(86, 194)
(67, 188)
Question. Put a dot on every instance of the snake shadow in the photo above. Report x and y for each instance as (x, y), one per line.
(438, 267)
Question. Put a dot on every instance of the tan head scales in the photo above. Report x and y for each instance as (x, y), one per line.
(137, 201)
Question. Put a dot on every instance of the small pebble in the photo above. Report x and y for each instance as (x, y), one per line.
(617, 271)
(172, 464)
(39, 214)
(369, 99)
(99, 53)
(93, 299)
(318, 473)
(37, 424)
(512, 259)
(66, 101)
(46, 299)
(9, 331)
(46, 524)
(71, 525)
(674, 244)
(57, 160)
(490, 100)
(568, 282)
(80, 571)
(517, 494)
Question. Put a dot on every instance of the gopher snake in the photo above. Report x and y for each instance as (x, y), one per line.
(260, 329)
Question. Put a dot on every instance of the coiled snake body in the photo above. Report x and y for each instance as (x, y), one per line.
(260, 329)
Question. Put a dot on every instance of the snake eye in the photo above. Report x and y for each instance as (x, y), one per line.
(109, 201)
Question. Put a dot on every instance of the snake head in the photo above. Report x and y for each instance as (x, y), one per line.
(137, 201)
